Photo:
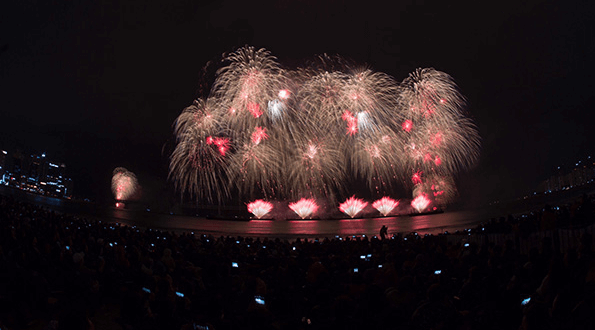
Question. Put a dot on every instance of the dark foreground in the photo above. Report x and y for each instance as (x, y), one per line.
(63, 272)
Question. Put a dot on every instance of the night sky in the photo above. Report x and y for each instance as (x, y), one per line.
(98, 84)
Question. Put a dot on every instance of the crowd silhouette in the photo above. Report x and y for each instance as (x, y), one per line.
(59, 271)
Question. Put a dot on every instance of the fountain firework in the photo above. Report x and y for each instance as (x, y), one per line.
(385, 205)
(352, 206)
(266, 132)
(260, 208)
(421, 202)
(304, 207)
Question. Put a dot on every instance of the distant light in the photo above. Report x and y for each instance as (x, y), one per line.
(4, 152)
(43, 154)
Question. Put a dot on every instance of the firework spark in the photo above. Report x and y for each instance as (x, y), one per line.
(352, 206)
(304, 207)
(260, 208)
(385, 205)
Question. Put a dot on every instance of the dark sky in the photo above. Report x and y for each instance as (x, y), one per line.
(98, 84)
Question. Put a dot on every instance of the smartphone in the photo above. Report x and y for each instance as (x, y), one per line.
(259, 300)
(355, 270)
(466, 245)
(200, 327)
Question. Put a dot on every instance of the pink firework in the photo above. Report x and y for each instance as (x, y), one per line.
(304, 207)
(254, 109)
(385, 205)
(259, 135)
(352, 206)
(221, 143)
(420, 202)
(351, 122)
(260, 208)
(416, 177)
(407, 125)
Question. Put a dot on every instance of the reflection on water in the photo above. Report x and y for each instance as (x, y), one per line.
(435, 223)
(422, 224)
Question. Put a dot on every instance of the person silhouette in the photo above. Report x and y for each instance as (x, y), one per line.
(383, 232)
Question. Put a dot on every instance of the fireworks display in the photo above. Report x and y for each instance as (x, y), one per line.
(265, 132)
(260, 208)
(421, 202)
(124, 184)
(385, 205)
(352, 206)
(304, 207)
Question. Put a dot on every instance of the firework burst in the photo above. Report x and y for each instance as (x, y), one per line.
(124, 184)
(267, 132)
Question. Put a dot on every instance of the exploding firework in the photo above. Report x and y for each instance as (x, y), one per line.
(385, 205)
(260, 208)
(421, 202)
(352, 206)
(440, 189)
(304, 207)
(124, 184)
(266, 132)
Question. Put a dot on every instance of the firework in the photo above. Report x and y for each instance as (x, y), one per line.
(420, 202)
(259, 208)
(267, 132)
(385, 205)
(124, 184)
(352, 206)
(304, 207)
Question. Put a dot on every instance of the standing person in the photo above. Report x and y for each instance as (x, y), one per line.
(383, 232)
